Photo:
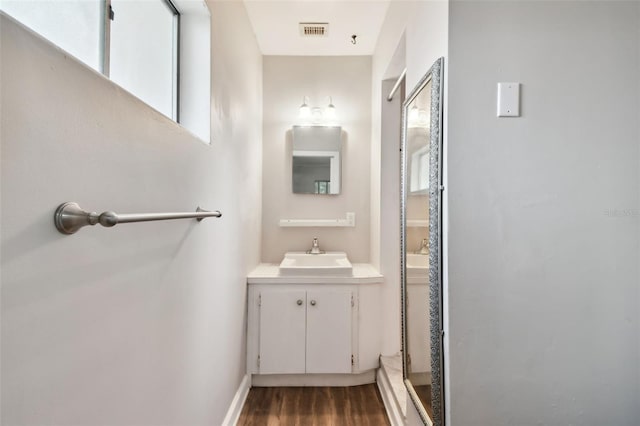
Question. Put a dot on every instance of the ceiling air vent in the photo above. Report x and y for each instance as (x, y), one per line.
(314, 29)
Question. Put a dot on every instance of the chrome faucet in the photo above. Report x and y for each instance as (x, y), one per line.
(424, 247)
(315, 247)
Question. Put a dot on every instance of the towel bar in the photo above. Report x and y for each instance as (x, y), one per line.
(70, 217)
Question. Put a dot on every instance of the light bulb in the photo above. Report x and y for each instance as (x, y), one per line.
(305, 111)
(330, 113)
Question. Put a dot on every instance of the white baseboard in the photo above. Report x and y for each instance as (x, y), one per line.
(271, 380)
(396, 418)
(233, 414)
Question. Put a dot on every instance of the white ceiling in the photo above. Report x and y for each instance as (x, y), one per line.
(275, 24)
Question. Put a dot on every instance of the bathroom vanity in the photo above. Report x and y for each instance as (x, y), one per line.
(313, 330)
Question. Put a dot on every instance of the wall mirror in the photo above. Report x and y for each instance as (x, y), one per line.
(421, 246)
(315, 165)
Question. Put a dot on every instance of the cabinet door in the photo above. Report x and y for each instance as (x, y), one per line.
(282, 331)
(329, 331)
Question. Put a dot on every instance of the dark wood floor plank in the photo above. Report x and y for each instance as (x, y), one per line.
(314, 406)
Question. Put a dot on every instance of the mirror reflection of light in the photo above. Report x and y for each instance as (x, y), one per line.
(418, 118)
(423, 118)
(413, 114)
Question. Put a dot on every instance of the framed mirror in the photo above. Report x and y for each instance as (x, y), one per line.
(316, 163)
(421, 246)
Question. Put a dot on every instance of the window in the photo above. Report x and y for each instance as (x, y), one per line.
(73, 25)
(136, 43)
(322, 186)
(143, 51)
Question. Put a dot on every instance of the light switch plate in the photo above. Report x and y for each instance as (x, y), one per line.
(508, 99)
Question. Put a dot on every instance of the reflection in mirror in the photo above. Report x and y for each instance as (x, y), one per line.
(417, 240)
(419, 167)
(421, 247)
(316, 160)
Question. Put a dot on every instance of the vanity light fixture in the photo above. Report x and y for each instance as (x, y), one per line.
(315, 115)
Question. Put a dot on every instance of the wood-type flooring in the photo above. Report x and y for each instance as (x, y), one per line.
(424, 394)
(314, 406)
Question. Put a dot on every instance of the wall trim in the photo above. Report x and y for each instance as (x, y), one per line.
(396, 418)
(233, 413)
(347, 379)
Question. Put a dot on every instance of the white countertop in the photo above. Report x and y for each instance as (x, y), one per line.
(269, 273)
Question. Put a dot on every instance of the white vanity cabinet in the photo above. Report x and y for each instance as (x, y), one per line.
(313, 331)
(304, 330)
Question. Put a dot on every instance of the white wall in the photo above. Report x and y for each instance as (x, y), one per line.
(389, 215)
(543, 278)
(142, 323)
(286, 80)
(414, 34)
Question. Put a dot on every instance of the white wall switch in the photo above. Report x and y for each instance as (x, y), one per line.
(508, 99)
(351, 219)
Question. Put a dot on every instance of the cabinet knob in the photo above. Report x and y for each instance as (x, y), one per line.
(313, 303)
(299, 302)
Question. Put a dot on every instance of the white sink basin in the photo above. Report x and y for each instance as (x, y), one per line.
(417, 265)
(417, 260)
(326, 264)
